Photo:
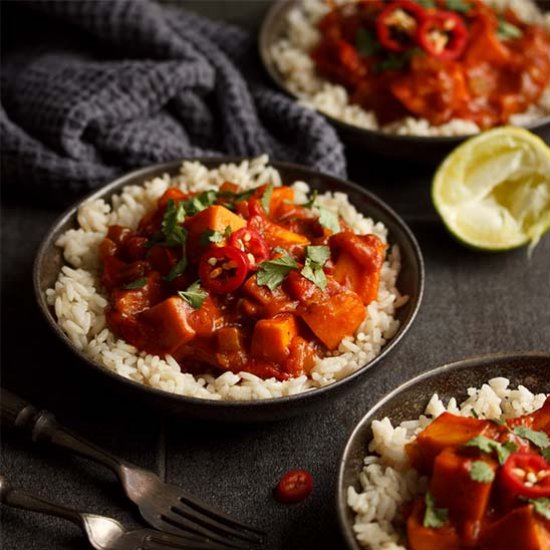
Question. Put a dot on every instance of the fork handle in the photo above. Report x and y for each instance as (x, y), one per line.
(42, 426)
(16, 498)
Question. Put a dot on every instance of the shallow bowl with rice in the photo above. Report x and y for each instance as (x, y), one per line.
(375, 479)
(288, 30)
(72, 302)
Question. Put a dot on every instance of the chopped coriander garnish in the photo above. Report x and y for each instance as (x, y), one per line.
(434, 517)
(474, 413)
(200, 202)
(311, 200)
(211, 236)
(366, 42)
(481, 471)
(227, 232)
(540, 439)
(266, 197)
(541, 506)
(174, 233)
(487, 445)
(272, 272)
(546, 454)
(426, 3)
(458, 5)
(329, 219)
(138, 283)
(316, 256)
(194, 295)
(506, 31)
(178, 269)
(279, 250)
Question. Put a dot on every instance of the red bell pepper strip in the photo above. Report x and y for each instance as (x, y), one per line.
(526, 475)
(443, 35)
(252, 244)
(223, 269)
(397, 25)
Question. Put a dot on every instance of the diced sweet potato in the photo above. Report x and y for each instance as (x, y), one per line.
(349, 273)
(216, 218)
(447, 430)
(521, 529)
(260, 301)
(207, 319)
(541, 418)
(427, 538)
(280, 195)
(230, 339)
(275, 234)
(272, 337)
(132, 301)
(170, 323)
(172, 193)
(453, 488)
(334, 317)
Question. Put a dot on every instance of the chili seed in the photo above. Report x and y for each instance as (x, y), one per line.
(212, 261)
(216, 272)
(519, 472)
(531, 477)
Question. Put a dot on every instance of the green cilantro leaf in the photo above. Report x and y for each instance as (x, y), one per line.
(474, 413)
(200, 202)
(266, 197)
(481, 471)
(498, 421)
(174, 214)
(329, 219)
(178, 269)
(279, 250)
(271, 273)
(540, 439)
(138, 283)
(311, 200)
(227, 232)
(487, 445)
(507, 31)
(434, 517)
(541, 506)
(194, 295)
(316, 256)
(458, 5)
(366, 42)
(546, 454)
(211, 236)
(426, 3)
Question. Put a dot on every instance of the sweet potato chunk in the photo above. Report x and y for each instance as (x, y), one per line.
(447, 430)
(216, 218)
(348, 272)
(230, 339)
(170, 322)
(279, 196)
(521, 529)
(427, 538)
(453, 488)
(335, 317)
(541, 418)
(275, 234)
(132, 301)
(272, 337)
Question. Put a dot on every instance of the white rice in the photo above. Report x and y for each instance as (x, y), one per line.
(387, 480)
(79, 301)
(290, 54)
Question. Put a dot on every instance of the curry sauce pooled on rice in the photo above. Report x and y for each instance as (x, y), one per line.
(226, 284)
(474, 475)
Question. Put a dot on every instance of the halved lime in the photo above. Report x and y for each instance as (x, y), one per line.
(493, 191)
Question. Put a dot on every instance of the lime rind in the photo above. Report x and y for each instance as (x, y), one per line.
(493, 191)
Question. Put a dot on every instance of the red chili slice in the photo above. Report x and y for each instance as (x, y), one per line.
(526, 475)
(294, 486)
(443, 35)
(252, 244)
(223, 269)
(397, 25)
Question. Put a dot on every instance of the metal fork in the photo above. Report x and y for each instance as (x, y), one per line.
(103, 533)
(164, 506)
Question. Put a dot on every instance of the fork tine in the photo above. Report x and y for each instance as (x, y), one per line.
(217, 517)
(176, 523)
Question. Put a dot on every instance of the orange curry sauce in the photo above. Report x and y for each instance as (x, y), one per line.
(489, 484)
(434, 59)
(239, 281)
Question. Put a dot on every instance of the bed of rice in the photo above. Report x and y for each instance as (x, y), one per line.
(387, 480)
(79, 302)
(291, 56)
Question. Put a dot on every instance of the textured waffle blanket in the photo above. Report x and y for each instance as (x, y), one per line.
(91, 89)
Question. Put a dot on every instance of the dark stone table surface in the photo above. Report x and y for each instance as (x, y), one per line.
(474, 304)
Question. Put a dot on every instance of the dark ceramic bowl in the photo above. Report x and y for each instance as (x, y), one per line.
(410, 282)
(428, 149)
(409, 401)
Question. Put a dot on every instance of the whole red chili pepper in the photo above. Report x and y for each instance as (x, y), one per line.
(398, 23)
(443, 35)
(223, 269)
(526, 475)
(252, 244)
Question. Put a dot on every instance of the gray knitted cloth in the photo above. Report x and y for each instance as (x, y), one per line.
(91, 89)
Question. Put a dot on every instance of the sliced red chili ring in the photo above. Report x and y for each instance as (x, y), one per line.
(223, 269)
(398, 23)
(526, 475)
(294, 486)
(252, 244)
(443, 35)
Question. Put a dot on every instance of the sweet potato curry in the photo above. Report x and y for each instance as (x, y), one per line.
(489, 485)
(434, 59)
(239, 280)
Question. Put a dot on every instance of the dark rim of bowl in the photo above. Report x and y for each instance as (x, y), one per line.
(278, 10)
(470, 362)
(170, 167)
